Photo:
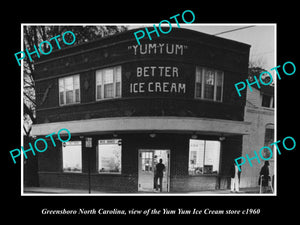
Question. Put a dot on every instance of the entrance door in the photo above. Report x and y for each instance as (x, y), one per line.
(148, 158)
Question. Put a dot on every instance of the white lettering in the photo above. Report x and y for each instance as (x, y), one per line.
(158, 87)
(158, 48)
(173, 88)
(165, 85)
(150, 89)
(152, 69)
(145, 71)
(175, 71)
(139, 71)
(180, 47)
(167, 69)
(152, 46)
(135, 47)
(160, 69)
(181, 86)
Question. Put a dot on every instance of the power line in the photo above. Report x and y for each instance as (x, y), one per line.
(233, 30)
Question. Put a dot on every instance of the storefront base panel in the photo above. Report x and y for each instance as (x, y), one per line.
(105, 183)
(194, 183)
(127, 183)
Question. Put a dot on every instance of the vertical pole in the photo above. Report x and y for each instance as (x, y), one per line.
(89, 170)
(88, 146)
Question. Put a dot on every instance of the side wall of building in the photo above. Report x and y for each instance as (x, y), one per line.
(260, 118)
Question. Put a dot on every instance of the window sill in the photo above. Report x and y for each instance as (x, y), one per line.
(92, 173)
(75, 172)
(207, 100)
(105, 174)
(70, 104)
(204, 175)
(107, 99)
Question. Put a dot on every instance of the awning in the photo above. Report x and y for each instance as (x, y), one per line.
(158, 124)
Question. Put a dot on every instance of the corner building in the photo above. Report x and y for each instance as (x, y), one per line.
(128, 105)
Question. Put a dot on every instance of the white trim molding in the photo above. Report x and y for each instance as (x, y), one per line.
(158, 124)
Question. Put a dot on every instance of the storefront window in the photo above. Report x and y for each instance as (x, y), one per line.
(108, 83)
(209, 84)
(69, 90)
(204, 157)
(71, 156)
(109, 156)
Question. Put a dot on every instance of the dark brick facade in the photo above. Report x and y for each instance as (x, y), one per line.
(197, 49)
(202, 50)
(51, 175)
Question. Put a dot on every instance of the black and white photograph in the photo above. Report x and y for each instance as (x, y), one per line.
(149, 113)
(159, 117)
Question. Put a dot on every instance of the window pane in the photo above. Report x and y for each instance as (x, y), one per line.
(61, 85)
(147, 161)
(69, 97)
(212, 155)
(68, 83)
(61, 98)
(76, 82)
(108, 90)
(108, 77)
(98, 89)
(77, 95)
(118, 74)
(198, 90)
(196, 157)
(209, 82)
(71, 153)
(204, 157)
(219, 83)
(99, 77)
(118, 89)
(198, 82)
(109, 156)
(266, 100)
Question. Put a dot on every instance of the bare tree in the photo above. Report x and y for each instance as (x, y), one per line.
(33, 36)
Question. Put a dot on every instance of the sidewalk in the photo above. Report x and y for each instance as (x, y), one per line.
(53, 190)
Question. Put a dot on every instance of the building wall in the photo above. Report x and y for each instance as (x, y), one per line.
(185, 50)
(259, 117)
(200, 50)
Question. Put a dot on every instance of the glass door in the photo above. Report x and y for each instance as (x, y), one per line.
(148, 159)
(146, 171)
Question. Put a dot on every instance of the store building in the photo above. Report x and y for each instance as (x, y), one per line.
(128, 105)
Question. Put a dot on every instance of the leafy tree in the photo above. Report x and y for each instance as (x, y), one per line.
(256, 67)
(33, 36)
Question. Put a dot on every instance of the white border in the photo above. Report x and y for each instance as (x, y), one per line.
(142, 25)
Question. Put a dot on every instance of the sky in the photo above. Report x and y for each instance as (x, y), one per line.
(261, 37)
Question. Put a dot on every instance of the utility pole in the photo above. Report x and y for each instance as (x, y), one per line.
(88, 145)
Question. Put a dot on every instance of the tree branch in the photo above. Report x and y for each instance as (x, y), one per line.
(29, 112)
(30, 98)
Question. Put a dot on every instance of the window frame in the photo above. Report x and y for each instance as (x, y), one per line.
(271, 102)
(65, 93)
(204, 153)
(97, 155)
(201, 70)
(101, 74)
